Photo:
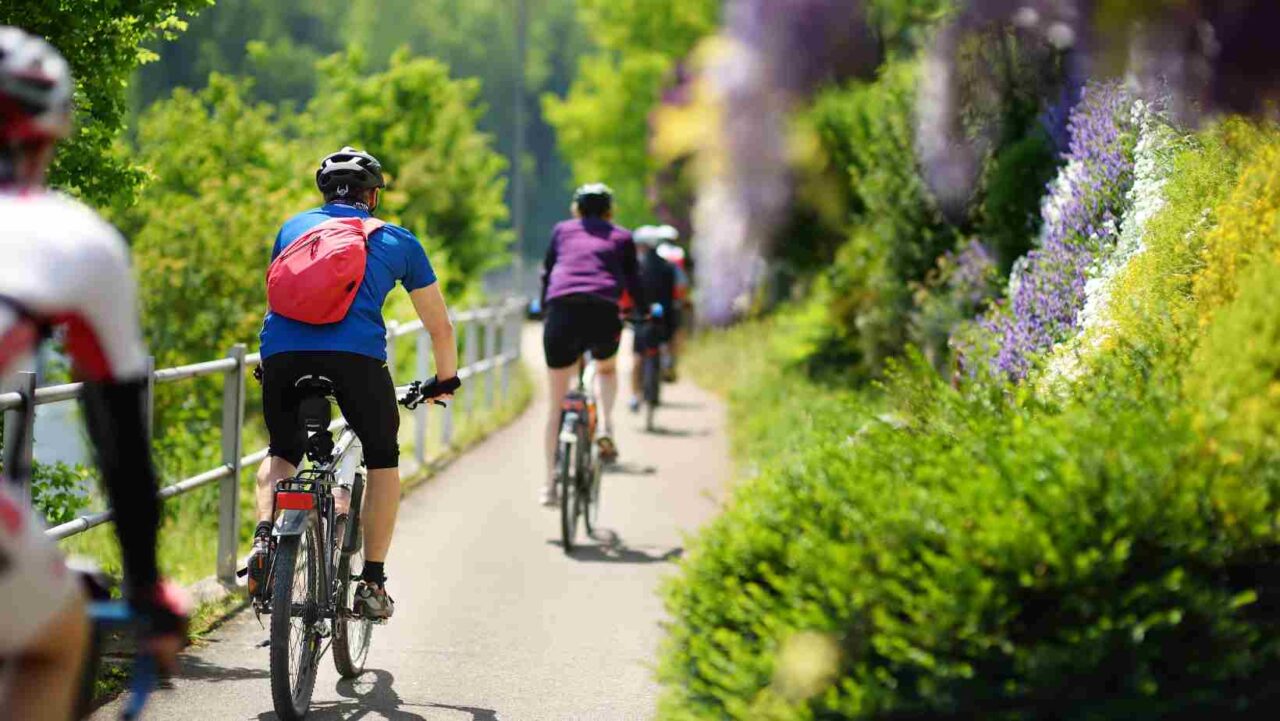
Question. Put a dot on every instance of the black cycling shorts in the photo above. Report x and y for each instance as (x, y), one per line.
(576, 324)
(364, 391)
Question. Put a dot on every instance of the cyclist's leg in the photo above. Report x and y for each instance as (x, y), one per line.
(46, 674)
(606, 334)
(287, 439)
(367, 397)
(44, 632)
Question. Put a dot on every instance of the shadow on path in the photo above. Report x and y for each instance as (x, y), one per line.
(374, 693)
(682, 405)
(194, 668)
(630, 469)
(679, 432)
(610, 549)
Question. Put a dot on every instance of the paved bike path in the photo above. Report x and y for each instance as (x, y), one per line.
(493, 622)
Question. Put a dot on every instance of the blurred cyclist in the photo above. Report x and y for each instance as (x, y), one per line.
(589, 262)
(351, 351)
(61, 266)
(658, 279)
(680, 310)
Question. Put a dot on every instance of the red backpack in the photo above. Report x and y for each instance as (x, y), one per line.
(316, 278)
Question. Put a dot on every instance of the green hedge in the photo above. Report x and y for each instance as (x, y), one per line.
(961, 556)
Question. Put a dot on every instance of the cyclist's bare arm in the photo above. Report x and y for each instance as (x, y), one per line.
(38, 689)
(429, 303)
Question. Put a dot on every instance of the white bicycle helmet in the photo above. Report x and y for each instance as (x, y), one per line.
(35, 88)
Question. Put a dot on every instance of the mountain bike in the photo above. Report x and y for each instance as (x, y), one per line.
(649, 343)
(316, 557)
(578, 466)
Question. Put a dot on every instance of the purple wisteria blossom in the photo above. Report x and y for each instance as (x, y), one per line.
(1081, 214)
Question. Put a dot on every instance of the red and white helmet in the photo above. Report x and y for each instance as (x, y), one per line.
(35, 88)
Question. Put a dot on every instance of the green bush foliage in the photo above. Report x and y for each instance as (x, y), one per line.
(895, 230)
(960, 556)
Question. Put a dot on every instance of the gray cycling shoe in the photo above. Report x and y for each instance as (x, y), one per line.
(373, 602)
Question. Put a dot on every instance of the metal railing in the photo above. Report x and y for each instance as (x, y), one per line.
(491, 341)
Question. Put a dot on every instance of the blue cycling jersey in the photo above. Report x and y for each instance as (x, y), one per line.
(394, 255)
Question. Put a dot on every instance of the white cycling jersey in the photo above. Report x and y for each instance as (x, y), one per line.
(60, 266)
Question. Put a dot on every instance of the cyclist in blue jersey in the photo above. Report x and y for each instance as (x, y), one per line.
(353, 354)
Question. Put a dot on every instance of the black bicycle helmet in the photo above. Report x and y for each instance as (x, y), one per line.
(347, 170)
(35, 88)
(593, 199)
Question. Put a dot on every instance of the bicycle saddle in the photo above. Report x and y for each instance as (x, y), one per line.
(315, 386)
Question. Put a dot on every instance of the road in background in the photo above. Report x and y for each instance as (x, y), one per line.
(493, 621)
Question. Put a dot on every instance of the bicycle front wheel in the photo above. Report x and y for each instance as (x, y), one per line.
(567, 486)
(351, 635)
(295, 617)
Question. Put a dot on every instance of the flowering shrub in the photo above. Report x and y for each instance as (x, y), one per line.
(953, 292)
(1081, 219)
(1158, 143)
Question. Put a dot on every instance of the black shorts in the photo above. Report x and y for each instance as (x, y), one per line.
(576, 324)
(364, 391)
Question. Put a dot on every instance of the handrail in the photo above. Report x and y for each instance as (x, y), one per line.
(499, 352)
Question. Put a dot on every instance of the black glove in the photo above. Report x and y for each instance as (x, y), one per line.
(436, 387)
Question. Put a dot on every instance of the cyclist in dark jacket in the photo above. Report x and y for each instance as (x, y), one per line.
(588, 264)
(658, 278)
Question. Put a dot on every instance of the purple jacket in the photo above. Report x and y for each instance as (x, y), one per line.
(591, 257)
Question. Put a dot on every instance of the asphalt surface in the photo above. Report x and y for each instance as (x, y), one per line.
(493, 621)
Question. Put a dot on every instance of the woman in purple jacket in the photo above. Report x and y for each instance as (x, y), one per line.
(589, 262)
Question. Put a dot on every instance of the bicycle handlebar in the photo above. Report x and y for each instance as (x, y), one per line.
(420, 392)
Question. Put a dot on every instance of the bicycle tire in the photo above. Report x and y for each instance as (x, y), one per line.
(652, 384)
(591, 517)
(568, 493)
(351, 636)
(292, 699)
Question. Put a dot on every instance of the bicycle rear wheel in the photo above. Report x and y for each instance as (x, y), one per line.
(351, 635)
(567, 486)
(295, 614)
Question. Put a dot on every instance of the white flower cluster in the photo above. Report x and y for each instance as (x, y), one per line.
(1153, 154)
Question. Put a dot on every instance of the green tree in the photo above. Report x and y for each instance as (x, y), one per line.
(279, 43)
(445, 176)
(102, 40)
(603, 121)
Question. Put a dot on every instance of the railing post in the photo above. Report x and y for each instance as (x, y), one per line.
(19, 433)
(472, 355)
(420, 414)
(491, 319)
(233, 387)
(151, 398)
(504, 340)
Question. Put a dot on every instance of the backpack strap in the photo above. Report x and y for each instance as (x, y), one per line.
(372, 225)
